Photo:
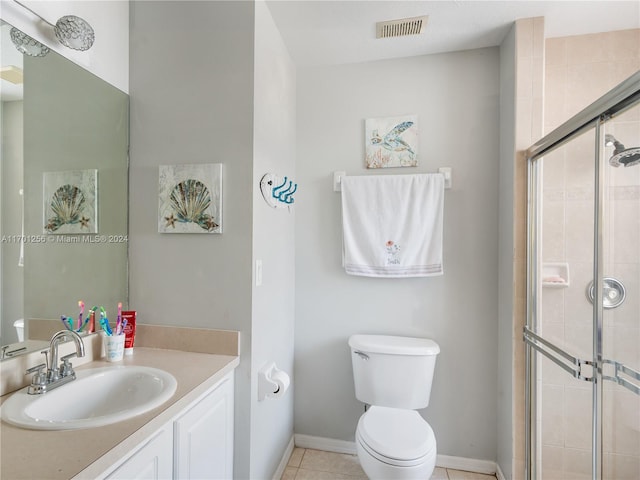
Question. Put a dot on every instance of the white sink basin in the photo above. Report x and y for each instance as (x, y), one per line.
(98, 396)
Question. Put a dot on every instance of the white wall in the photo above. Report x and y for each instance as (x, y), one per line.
(456, 98)
(273, 242)
(108, 58)
(192, 93)
(506, 253)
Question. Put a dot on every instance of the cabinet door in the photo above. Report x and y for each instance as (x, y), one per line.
(152, 462)
(203, 436)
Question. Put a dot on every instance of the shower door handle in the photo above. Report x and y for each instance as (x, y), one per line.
(564, 360)
(621, 368)
(573, 365)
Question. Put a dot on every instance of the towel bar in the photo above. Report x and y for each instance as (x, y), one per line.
(338, 174)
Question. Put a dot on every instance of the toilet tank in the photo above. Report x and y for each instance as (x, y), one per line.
(392, 371)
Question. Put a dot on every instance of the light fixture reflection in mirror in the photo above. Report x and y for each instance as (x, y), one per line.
(27, 45)
(71, 31)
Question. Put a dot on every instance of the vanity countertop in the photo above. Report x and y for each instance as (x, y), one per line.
(65, 454)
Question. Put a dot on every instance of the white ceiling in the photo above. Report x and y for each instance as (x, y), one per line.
(328, 32)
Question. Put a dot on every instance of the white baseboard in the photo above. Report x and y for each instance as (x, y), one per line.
(326, 444)
(445, 461)
(467, 464)
(284, 460)
(499, 473)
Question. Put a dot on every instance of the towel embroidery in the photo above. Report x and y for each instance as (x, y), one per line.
(393, 253)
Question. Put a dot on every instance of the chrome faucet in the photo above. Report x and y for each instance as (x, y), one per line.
(55, 376)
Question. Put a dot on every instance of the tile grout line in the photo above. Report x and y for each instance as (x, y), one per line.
(304, 452)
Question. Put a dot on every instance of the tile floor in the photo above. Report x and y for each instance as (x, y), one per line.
(308, 464)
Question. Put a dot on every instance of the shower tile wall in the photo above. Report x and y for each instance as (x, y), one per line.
(578, 70)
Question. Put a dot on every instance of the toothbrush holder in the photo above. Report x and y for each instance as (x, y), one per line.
(113, 347)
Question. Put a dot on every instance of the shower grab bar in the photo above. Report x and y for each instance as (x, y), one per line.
(575, 369)
(622, 368)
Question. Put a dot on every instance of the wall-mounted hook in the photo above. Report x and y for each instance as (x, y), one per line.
(287, 197)
(277, 192)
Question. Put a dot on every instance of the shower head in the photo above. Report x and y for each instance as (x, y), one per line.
(621, 155)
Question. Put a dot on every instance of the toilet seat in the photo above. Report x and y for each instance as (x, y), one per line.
(394, 462)
(396, 436)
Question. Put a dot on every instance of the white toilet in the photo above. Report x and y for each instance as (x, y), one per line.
(393, 375)
(19, 326)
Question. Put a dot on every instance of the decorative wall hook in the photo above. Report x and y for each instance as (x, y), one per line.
(277, 192)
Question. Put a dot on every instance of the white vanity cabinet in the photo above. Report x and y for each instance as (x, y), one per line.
(151, 462)
(196, 444)
(203, 436)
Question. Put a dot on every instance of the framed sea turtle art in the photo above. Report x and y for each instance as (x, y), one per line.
(190, 198)
(70, 202)
(391, 141)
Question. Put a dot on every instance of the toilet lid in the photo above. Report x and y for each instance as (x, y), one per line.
(397, 434)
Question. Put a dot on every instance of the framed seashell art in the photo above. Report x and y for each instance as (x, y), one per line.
(70, 202)
(190, 198)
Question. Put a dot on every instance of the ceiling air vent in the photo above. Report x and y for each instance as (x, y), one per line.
(401, 28)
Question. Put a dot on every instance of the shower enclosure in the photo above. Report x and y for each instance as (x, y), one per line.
(583, 294)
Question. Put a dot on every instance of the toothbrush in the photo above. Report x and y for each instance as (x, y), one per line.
(119, 319)
(81, 305)
(104, 323)
(70, 322)
(86, 321)
(63, 320)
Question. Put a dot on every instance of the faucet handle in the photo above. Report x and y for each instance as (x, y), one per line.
(46, 357)
(38, 368)
(66, 368)
(39, 380)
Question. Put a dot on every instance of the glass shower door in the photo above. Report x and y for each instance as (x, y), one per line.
(583, 297)
(565, 319)
(621, 313)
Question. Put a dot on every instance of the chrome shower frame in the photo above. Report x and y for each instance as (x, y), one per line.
(616, 101)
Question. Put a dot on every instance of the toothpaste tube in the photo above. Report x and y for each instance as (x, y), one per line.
(129, 320)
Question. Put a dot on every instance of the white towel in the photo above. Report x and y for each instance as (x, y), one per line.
(392, 225)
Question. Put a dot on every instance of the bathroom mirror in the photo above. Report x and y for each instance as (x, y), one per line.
(63, 191)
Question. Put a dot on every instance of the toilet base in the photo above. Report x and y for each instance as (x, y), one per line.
(378, 470)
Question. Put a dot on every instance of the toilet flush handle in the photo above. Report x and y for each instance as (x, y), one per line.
(362, 355)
